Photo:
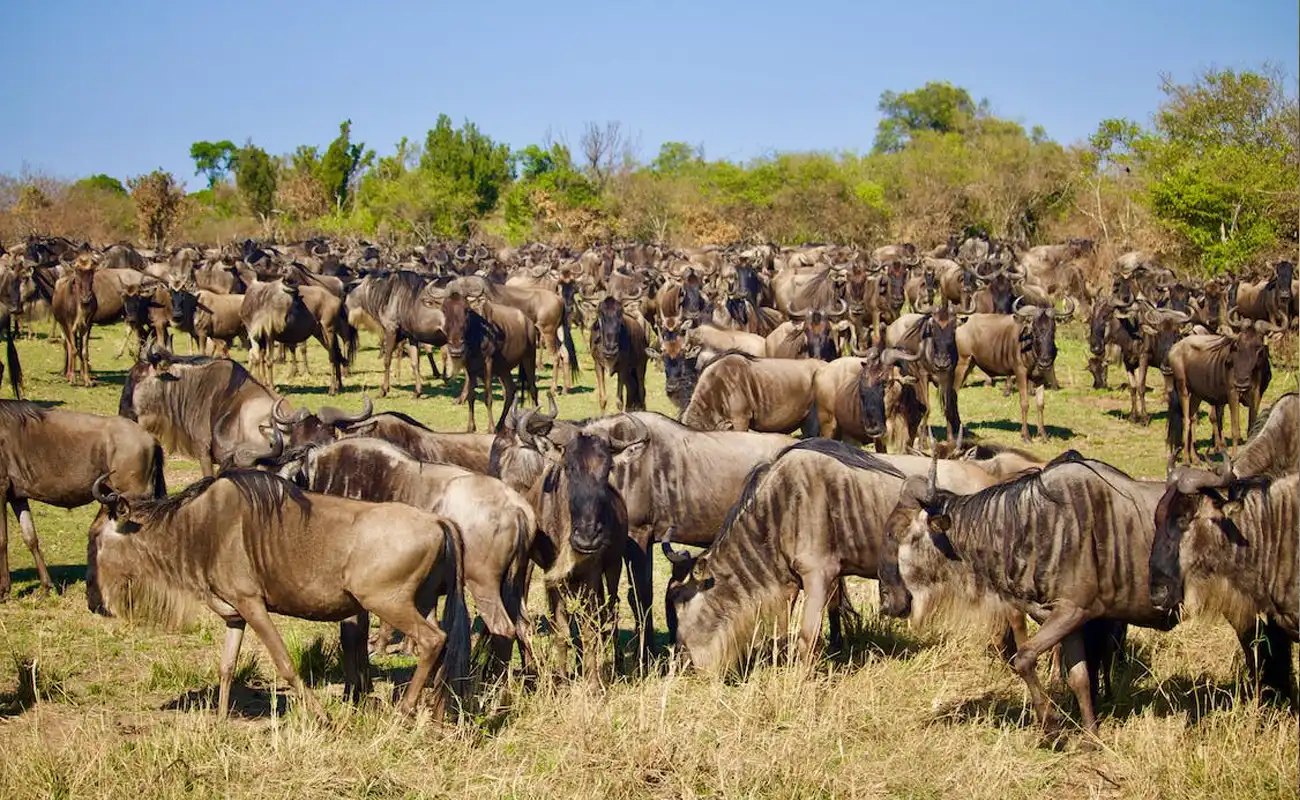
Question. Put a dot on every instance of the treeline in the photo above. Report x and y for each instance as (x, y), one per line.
(1210, 182)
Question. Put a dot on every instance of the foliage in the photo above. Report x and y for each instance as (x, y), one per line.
(213, 159)
(101, 183)
(341, 164)
(468, 161)
(551, 198)
(256, 177)
(159, 205)
(937, 107)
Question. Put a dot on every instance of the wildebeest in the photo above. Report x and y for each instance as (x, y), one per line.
(1066, 545)
(249, 544)
(738, 392)
(814, 514)
(209, 409)
(1273, 449)
(1021, 345)
(582, 525)
(545, 311)
(285, 312)
(681, 367)
(1228, 546)
(932, 335)
(147, 313)
(866, 399)
(618, 346)
(74, 305)
(398, 302)
(1270, 299)
(490, 343)
(496, 524)
(809, 334)
(16, 287)
(207, 316)
(1219, 369)
(54, 456)
(469, 450)
(717, 340)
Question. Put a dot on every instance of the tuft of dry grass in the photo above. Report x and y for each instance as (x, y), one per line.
(116, 710)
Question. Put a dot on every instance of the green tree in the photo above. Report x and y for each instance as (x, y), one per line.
(101, 183)
(341, 164)
(469, 159)
(213, 159)
(256, 177)
(938, 107)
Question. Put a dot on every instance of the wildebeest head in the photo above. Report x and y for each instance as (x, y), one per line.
(1248, 349)
(456, 324)
(877, 377)
(681, 371)
(694, 304)
(819, 329)
(1283, 282)
(939, 336)
(917, 560)
(83, 281)
(303, 427)
(1038, 331)
(894, 285)
(185, 301)
(745, 284)
(608, 328)
(586, 467)
(1194, 522)
(1164, 327)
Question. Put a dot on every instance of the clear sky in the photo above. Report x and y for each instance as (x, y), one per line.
(123, 86)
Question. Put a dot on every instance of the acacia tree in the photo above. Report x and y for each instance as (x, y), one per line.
(213, 159)
(159, 205)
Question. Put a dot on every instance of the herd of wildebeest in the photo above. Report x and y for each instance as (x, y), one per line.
(334, 515)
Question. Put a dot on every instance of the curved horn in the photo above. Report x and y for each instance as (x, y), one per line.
(338, 417)
(893, 355)
(642, 435)
(841, 306)
(797, 315)
(674, 556)
(1023, 311)
(1190, 480)
(1265, 326)
(1067, 313)
(97, 491)
(247, 458)
(1235, 319)
(279, 420)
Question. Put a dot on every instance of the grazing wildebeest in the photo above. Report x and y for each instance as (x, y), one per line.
(1066, 545)
(1022, 344)
(490, 343)
(496, 523)
(788, 531)
(582, 527)
(865, 399)
(737, 392)
(1270, 299)
(1227, 546)
(249, 544)
(1219, 369)
(74, 305)
(618, 346)
(209, 409)
(53, 457)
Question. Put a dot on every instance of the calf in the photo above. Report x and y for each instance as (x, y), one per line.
(490, 343)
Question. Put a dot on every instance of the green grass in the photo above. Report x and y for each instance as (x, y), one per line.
(118, 710)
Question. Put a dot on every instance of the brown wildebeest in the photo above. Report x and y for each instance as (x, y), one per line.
(248, 544)
(281, 311)
(54, 456)
(209, 317)
(469, 450)
(544, 309)
(1270, 299)
(1220, 369)
(737, 392)
(74, 305)
(866, 399)
(618, 346)
(1227, 546)
(490, 343)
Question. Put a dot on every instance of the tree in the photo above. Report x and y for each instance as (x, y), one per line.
(470, 160)
(938, 107)
(213, 159)
(101, 183)
(256, 177)
(600, 147)
(159, 203)
(341, 164)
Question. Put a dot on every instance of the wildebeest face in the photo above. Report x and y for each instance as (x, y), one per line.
(872, 382)
(745, 284)
(1042, 339)
(819, 335)
(587, 464)
(693, 303)
(925, 561)
(1179, 298)
(1247, 348)
(455, 313)
(696, 602)
(895, 285)
(1001, 294)
(895, 599)
(680, 372)
(1174, 512)
(609, 326)
(1098, 325)
(941, 330)
(184, 304)
(84, 284)
(1193, 531)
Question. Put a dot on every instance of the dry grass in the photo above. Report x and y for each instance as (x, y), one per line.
(96, 707)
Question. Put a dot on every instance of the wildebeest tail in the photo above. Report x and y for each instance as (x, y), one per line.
(11, 355)
(514, 587)
(455, 616)
(1174, 425)
(156, 463)
(812, 424)
(350, 337)
(569, 346)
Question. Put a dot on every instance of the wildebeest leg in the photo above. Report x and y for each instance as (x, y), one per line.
(508, 390)
(5, 581)
(600, 387)
(429, 642)
(415, 368)
(1022, 382)
(961, 372)
(1234, 407)
(83, 345)
(28, 528)
(1190, 408)
(816, 590)
(603, 626)
(1039, 396)
(468, 393)
(229, 658)
(496, 619)
(126, 340)
(354, 642)
(389, 344)
(1065, 619)
(1143, 417)
(555, 598)
(1074, 659)
(1216, 423)
(636, 554)
(1268, 657)
(255, 614)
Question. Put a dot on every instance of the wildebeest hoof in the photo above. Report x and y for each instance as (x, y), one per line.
(1054, 736)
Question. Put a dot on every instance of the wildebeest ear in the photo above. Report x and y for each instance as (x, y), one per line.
(942, 542)
(551, 481)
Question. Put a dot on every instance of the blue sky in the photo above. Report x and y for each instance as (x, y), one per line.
(123, 87)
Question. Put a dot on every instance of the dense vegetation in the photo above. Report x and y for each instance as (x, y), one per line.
(1209, 181)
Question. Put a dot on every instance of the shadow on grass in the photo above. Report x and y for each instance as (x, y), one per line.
(247, 702)
(63, 575)
(1011, 426)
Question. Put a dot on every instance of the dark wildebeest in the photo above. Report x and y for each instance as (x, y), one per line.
(787, 532)
(582, 527)
(681, 367)
(809, 334)
(1227, 546)
(618, 346)
(210, 409)
(490, 343)
(933, 336)
(248, 544)
(16, 287)
(74, 305)
(866, 399)
(53, 457)
(1270, 299)
(1021, 345)
(282, 311)
(398, 302)
(1066, 545)
(670, 476)
(737, 392)
(1219, 369)
(146, 309)
(496, 523)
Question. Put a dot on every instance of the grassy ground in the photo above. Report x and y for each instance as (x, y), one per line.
(96, 707)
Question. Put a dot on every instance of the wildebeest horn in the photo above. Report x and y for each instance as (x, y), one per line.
(893, 355)
(923, 307)
(97, 491)
(1023, 311)
(1190, 480)
(675, 556)
(1235, 320)
(640, 290)
(1265, 326)
(969, 308)
(281, 421)
(1015, 272)
(1066, 314)
(334, 416)
(797, 315)
(842, 307)
(642, 435)
(247, 458)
